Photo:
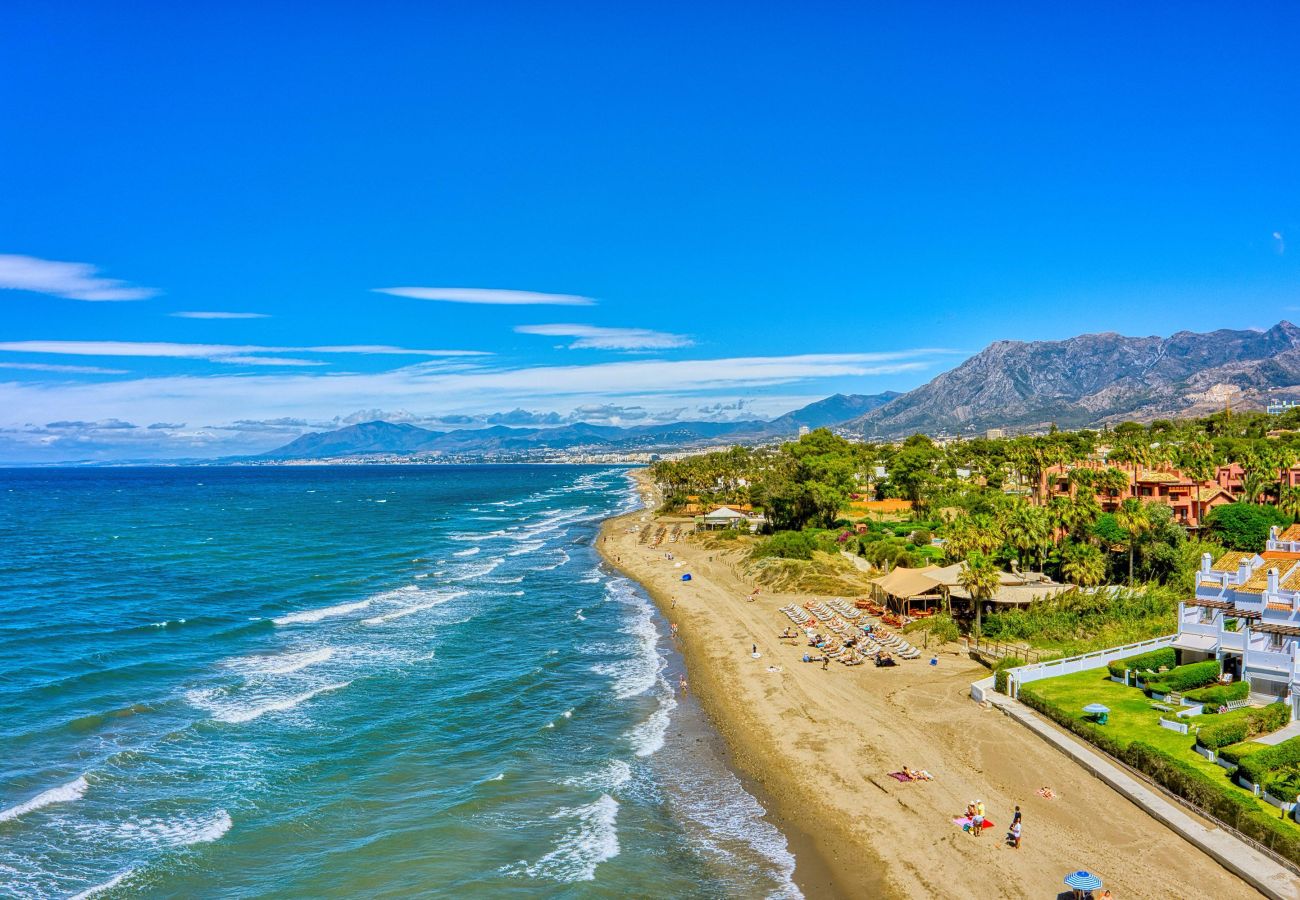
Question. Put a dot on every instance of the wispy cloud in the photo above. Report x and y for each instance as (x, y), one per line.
(595, 337)
(219, 315)
(55, 367)
(266, 361)
(215, 352)
(73, 280)
(487, 296)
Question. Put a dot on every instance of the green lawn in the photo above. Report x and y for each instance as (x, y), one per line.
(1133, 719)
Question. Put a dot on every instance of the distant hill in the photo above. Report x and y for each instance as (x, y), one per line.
(389, 438)
(832, 411)
(1094, 379)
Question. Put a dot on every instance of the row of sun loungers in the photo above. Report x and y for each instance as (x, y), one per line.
(819, 618)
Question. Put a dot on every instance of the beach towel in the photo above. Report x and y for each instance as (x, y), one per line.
(899, 775)
(965, 822)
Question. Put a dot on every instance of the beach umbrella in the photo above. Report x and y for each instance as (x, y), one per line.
(1082, 881)
(1099, 711)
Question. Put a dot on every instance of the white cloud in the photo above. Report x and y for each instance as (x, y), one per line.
(216, 352)
(74, 280)
(266, 361)
(595, 337)
(219, 315)
(54, 367)
(487, 296)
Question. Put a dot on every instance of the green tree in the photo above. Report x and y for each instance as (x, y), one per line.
(1029, 531)
(1243, 526)
(1135, 520)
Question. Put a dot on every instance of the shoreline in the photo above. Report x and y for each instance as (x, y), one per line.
(814, 748)
(824, 865)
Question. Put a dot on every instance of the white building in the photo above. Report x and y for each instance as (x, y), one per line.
(1246, 613)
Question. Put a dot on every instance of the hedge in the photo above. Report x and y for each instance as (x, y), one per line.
(1220, 694)
(1150, 660)
(1238, 725)
(1000, 672)
(1217, 796)
(1237, 752)
(1184, 678)
(1258, 764)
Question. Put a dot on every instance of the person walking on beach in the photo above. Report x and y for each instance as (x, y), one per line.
(681, 684)
(826, 661)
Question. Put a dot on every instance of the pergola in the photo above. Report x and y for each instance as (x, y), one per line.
(906, 585)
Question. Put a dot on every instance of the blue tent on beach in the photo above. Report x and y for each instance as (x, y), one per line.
(686, 577)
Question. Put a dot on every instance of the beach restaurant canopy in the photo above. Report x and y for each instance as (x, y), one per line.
(1015, 588)
(723, 517)
(905, 584)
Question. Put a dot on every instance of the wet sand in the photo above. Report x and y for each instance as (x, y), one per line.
(819, 745)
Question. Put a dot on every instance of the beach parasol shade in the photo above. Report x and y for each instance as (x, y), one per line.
(1095, 708)
(1082, 881)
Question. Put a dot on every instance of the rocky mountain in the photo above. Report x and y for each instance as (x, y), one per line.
(405, 439)
(1094, 379)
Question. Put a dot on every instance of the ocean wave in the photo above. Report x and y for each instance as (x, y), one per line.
(411, 610)
(636, 675)
(590, 841)
(647, 738)
(177, 832)
(610, 777)
(477, 570)
(563, 558)
(106, 886)
(65, 793)
(471, 551)
(526, 547)
(235, 713)
(282, 664)
(325, 612)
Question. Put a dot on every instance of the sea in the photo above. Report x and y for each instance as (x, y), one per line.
(349, 681)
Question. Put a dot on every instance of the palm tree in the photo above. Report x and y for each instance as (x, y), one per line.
(981, 580)
(1029, 530)
(1135, 520)
(1198, 462)
(1083, 564)
(1289, 501)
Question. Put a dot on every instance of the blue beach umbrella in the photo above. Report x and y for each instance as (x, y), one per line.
(1096, 709)
(1082, 881)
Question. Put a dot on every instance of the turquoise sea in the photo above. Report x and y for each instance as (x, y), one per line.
(348, 682)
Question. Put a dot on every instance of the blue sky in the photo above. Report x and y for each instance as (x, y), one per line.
(735, 208)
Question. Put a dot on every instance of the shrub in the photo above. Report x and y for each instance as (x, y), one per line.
(1284, 784)
(787, 545)
(1220, 694)
(1260, 763)
(1150, 661)
(941, 628)
(1184, 678)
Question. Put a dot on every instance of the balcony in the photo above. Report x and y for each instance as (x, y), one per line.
(1269, 660)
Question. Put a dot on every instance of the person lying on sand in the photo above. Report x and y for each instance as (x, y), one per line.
(1047, 793)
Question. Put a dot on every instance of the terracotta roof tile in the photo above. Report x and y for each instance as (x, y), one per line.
(1229, 561)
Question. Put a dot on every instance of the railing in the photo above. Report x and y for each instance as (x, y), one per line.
(1082, 663)
(1001, 650)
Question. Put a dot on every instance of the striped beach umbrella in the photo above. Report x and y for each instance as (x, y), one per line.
(1082, 881)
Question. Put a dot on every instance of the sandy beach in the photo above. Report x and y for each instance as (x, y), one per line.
(820, 744)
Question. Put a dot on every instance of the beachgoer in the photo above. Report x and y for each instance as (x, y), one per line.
(753, 650)
(826, 661)
(923, 775)
(681, 683)
(911, 776)
(1015, 835)
(977, 820)
(1015, 818)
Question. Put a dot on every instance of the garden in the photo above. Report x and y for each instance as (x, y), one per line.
(1202, 764)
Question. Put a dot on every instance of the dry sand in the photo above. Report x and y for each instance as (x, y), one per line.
(820, 744)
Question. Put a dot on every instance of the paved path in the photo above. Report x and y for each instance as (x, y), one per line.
(1277, 737)
(1258, 870)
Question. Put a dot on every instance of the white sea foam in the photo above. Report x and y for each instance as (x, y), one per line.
(580, 617)
(165, 624)
(563, 558)
(477, 570)
(415, 608)
(638, 674)
(648, 737)
(106, 886)
(177, 832)
(64, 793)
(224, 709)
(326, 612)
(610, 777)
(282, 664)
(526, 547)
(498, 776)
(468, 552)
(422, 575)
(589, 841)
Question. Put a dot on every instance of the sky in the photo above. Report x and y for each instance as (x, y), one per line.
(224, 225)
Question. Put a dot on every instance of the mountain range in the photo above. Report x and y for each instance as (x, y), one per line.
(1089, 380)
